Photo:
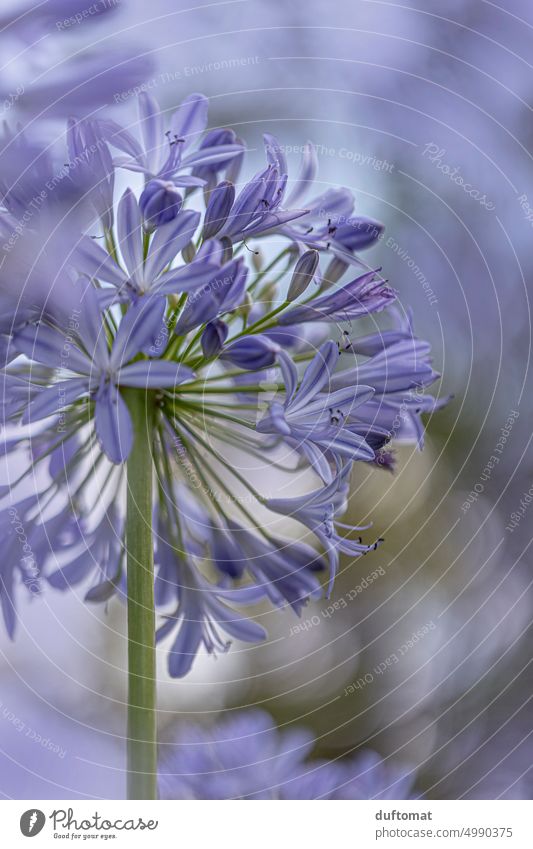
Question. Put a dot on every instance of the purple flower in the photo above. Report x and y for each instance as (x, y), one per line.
(102, 554)
(399, 367)
(100, 371)
(314, 415)
(28, 540)
(161, 153)
(218, 208)
(143, 275)
(329, 223)
(361, 296)
(215, 140)
(283, 570)
(258, 207)
(319, 511)
(161, 300)
(303, 274)
(246, 756)
(202, 618)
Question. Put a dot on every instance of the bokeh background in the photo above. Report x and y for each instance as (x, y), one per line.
(402, 100)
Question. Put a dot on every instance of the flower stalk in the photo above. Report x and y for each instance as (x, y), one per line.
(142, 725)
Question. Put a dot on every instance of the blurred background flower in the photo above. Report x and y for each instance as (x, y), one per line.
(422, 654)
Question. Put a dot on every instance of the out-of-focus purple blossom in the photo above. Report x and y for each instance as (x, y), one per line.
(90, 167)
(78, 80)
(248, 757)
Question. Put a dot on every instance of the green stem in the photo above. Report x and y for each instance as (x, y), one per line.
(142, 731)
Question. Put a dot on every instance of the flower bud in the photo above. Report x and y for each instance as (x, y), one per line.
(333, 273)
(246, 307)
(220, 203)
(303, 274)
(213, 338)
(252, 352)
(159, 203)
(189, 252)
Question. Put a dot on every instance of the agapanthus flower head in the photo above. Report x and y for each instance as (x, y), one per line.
(248, 757)
(240, 362)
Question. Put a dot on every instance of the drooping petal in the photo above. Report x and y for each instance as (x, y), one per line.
(113, 425)
(290, 374)
(185, 648)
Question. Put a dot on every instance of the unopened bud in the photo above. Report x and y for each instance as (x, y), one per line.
(246, 306)
(333, 273)
(189, 252)
(220, 202)
(303, 274)
(213, 338)
(159, 203)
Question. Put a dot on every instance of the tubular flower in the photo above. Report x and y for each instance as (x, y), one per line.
(249, 373)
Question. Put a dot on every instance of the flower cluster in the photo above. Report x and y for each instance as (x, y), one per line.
(177, 291)
(247, 757)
